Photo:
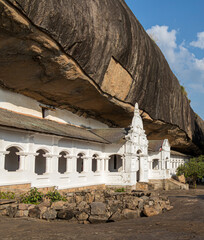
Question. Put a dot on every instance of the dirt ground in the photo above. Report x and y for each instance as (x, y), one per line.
(184, 222)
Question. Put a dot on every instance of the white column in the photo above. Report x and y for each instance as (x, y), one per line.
(163, 163)
(22, 157)
(106, 164)
(48, 163)
(86, 164)
(2, 160)
(123, 164)
(168, 164)
(98, 167)
(89, 162)
(31, 159)
(54, 162)
(68, 164)
(74, 163)
(102, 167)
(160, 164)
(150, 164)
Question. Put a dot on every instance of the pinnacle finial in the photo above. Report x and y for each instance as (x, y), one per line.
(136, 108)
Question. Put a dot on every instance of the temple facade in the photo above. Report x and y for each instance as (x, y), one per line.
(43, 146)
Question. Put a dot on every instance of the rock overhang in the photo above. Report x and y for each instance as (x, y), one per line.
(36, 62)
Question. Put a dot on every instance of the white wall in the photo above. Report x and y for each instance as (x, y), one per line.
(25, 105)
(66, 116)
(175, 162)
(19, 103)
(29, 144)
(163, 170)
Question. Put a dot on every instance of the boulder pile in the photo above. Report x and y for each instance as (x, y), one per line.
(92, 207)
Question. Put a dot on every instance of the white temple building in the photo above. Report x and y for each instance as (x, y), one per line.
(45, 147)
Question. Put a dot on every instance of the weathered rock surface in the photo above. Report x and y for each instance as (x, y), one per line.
(55, 51)
(65, 214)
(49, 214)
(151, 211)
(34, 212)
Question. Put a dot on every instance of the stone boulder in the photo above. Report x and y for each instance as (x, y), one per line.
(182, 179)
(22, 213)
(65, 214)
(58, 205)
(82, 216)
(150, 211)
(11, 211)
(130, 214)
(49, 214)
(34, 212)
(98, 213)
(98, 208)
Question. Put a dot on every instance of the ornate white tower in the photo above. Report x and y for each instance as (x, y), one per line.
(136, 150)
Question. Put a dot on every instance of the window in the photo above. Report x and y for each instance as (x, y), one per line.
(80, 163)
(155, 164)
(94, 162)
(166, 163)
(62, 163)
(115, 163)
(44, 110)
(12, 160)
(40, 162)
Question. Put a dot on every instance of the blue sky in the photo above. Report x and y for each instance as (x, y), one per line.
(177, 26)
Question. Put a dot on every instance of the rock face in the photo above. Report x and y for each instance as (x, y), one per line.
(55, 51)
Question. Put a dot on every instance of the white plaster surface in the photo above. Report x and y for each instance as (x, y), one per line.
(25, 105)
(133, 164)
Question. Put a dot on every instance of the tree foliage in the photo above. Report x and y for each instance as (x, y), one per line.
(193, 169)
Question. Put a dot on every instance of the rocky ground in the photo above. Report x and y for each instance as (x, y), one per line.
(99, 206)
(185, 222)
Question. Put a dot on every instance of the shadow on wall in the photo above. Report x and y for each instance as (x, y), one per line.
(198, 134)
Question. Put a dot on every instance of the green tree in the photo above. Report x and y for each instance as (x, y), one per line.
(193, 169)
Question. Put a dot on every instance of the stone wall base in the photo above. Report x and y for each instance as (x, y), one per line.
(167, 184)
(142, 186)
(18, 188)
(15, 188)
(126, 187)
(79, 189)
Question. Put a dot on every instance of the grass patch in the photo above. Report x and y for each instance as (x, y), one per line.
(7, 195)
(120, 190)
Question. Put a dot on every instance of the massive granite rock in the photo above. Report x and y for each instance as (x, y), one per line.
(94, 58)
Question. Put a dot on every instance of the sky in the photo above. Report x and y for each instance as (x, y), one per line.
(177, 27)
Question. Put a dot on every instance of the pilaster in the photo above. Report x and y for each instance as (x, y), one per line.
(22, 156)
(2, 160)
(68, 163)
(48, 162)
(106, 161)
(98, 165)
(87, 164)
